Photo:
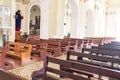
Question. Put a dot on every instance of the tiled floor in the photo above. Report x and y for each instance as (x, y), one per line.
(26, 71)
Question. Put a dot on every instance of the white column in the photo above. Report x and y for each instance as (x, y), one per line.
(60, 18)
(74, 17)
(12, 20)
(44, 19)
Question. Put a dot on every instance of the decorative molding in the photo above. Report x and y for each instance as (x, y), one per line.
(26, 1)
(23, 1)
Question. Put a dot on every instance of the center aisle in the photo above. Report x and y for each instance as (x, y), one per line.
(26, 71)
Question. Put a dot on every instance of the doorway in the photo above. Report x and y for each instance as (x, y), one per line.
(34, 22)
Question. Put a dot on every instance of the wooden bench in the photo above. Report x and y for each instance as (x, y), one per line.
(44, 75)
(19, 50)
(5, 75)
(100, 51)
(73, 44)
(110, 46)
(97, 60)
(53, 46)
(38, 48)
(3, 63)
(80, 43)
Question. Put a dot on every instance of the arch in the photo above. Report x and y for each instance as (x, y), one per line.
(34, 20)
(44, 10)
(32, 4)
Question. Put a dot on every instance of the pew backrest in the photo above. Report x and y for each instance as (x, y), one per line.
(74, 65)
(93, 59)
(5, 75)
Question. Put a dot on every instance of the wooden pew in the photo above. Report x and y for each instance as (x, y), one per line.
(99, 51)
(43, 47)
(5, 75)
(19, 50)
(97, 60)
(53, 46)
(73, 44)
(110, 47)
(38, 48)
(80, 43)
(115, 42)
(4, 64)
(43, 73)
(101, 40)
(96, 40)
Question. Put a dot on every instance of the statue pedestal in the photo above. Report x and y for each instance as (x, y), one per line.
(17, 35)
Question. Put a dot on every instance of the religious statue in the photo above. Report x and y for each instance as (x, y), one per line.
(18, 18)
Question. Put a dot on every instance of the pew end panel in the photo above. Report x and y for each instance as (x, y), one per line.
(21, 51)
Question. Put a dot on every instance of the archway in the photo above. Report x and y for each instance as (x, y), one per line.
(34, 22)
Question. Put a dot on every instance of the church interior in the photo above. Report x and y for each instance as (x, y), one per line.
(59, 39)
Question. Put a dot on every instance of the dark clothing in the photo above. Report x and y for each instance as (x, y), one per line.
(18, 21)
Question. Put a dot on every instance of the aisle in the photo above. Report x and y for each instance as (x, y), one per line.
(27, 70)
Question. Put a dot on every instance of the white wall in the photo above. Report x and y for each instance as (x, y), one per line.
(111, 23)
(75, 16)
(95, 18)
(118, 24)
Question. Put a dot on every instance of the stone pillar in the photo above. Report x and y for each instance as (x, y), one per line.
(12, 20)
(60, 18)
(44, 19)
